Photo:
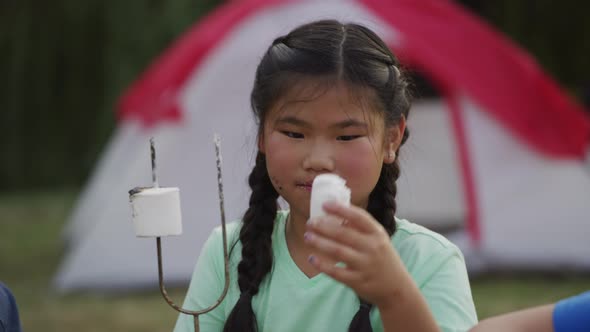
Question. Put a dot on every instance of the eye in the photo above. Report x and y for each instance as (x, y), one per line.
(292, 134)
(347, 137)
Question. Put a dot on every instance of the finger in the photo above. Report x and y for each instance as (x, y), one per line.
(334, 229)
(326, 259)
(329, 219)
(356, 217)
(333, 250)
(338, 273)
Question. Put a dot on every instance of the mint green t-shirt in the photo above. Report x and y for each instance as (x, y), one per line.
(290, 301)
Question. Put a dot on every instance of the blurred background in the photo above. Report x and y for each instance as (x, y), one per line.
(65, 63)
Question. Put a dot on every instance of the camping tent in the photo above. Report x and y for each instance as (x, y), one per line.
(501, 156)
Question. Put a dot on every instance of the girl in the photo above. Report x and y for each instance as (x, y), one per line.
(330, 98)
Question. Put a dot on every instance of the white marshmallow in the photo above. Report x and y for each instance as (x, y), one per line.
(156, 211)
(327, 187)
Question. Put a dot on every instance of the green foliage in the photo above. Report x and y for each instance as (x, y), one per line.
(64, 63)
(555, 32)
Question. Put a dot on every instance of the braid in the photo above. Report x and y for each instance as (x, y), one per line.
(361, 322)
(382, 207)
(382, 204)
(255, 236)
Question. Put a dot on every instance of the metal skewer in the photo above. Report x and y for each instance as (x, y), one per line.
(195, 314)
(153, 155)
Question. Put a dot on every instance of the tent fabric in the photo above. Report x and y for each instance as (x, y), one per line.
(472, 217)
(524, 98)
(493, 180)
(153, 97)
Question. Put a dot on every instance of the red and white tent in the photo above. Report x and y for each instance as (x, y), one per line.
(503, 156)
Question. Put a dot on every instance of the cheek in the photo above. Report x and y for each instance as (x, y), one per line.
(280, 160)
(361, 166)
(277, 183)
(359, 160)
(278, 152)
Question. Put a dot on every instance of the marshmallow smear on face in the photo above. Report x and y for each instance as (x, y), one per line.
(156, 211)
(327, 187)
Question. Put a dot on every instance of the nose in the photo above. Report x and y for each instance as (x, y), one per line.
(319, 158)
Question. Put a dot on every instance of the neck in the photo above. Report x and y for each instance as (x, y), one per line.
(298, 250)
(295, 228)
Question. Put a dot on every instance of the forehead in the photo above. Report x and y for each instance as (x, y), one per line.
(325, 100)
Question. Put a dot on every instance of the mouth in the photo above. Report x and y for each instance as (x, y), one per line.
(305, 185)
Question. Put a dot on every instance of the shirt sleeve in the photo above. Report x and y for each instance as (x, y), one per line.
(9, 319)
(572, 314)
(205, 287)
(445, 286)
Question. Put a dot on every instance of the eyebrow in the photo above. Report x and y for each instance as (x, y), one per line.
(289, 119)
(340, 125)
(349, 123)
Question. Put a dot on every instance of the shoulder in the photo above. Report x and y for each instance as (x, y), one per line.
(9, 317)
(410, 234)
(438, 269)
(233, 232)
(212, 250)
(6, 295)
(424, 251)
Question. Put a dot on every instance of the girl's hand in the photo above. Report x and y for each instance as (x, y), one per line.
(352, 236)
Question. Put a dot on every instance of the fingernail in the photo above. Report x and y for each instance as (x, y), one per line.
(307, 236)
(311, 259)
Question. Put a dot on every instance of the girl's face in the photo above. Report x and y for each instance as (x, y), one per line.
(328, 133)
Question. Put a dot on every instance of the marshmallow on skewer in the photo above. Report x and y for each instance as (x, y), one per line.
(327, 187)
(156, 211)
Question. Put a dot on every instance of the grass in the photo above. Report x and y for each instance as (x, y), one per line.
(31, 249)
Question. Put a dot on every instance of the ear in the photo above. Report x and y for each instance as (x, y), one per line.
(393, 140)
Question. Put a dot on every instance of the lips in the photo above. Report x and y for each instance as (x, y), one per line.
(305, 185)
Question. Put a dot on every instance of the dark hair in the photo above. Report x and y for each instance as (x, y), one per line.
(326, 49)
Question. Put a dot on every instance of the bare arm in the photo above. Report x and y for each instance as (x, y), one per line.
(537, 319)
(409, 311)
